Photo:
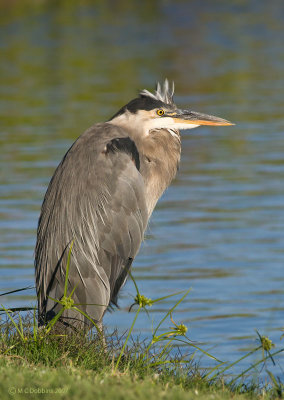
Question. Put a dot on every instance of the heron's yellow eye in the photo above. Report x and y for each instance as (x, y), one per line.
(160, 112)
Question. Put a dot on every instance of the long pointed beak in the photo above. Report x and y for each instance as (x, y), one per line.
(195, 118)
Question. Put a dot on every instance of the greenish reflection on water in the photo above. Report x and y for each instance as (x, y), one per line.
(219, 228)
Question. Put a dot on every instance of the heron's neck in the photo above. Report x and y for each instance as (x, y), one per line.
(159, 160)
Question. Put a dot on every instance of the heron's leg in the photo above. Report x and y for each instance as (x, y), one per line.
(101, 335)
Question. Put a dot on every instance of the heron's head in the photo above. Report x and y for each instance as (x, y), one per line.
(157, 111)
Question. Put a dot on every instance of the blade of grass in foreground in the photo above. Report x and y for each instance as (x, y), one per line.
(67, 269)
(14, 309)
(230, 365)
(171, 310)
(277, 385)
(14, 323)
(53, 321)
(189, 343)
(17, 290)
(254, 365)
(127, 338)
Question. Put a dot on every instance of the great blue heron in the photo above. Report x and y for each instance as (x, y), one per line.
(101, 196)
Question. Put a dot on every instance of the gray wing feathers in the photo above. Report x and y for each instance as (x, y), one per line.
(96, 198)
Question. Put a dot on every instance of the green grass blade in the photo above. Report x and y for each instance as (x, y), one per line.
(170, 362)
(67, 268)
(275, 383)
(168, 296)
(90, 304)
(54, 320)
(166, 349)
(14, 309)
(13, 321)
(55, 300)
(234, 363)
(72, 291)
(171, 310)
(21, 325)
(189, 343)
(35, 327)
(255, 364)
(17, 290)
(133, 280)
(89, 318)
(126, 340)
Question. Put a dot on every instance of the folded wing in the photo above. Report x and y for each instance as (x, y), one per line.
(96, 198)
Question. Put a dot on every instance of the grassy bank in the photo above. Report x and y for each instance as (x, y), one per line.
(58, 367)
(20, 380)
